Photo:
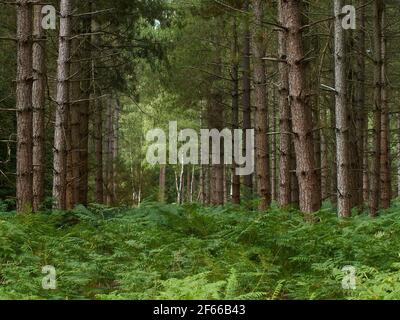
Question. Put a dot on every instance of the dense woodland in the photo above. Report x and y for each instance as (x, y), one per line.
(319, 85)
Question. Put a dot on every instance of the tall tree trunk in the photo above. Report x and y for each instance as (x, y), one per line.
(301, 111)
(235, 111)
(342, 123)
(285, 117)
(325, 186)
(216, 121)
(109, 137)
(376, 145)
(38, 102)
(24, 106)
(73, 157)
(246, 83)
(217, 170)
(62, 110)
(385, 127)
(84, 110)
(98, 122)
(115, 157)
(274, 149)
(362, 119)
(260, 103)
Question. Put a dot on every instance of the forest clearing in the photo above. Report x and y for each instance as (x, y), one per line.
(199, 150)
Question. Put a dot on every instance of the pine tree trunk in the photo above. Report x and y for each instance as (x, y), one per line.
(24, 106)
(109, 146)
(217, 170)
(235, 111)
(376, 143)
(84, 110)
(216, 121)
(246, 96)
(325, 186)
(98, 122)
(260, 103)
(62, 110)
(301, 111)
(73, 157)
(285, 118)
(38, 102)
(362, 121)
(342, 114)
(115, 157)
(385, 127)
(274, 150)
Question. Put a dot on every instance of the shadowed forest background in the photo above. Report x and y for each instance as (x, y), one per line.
(77, 193)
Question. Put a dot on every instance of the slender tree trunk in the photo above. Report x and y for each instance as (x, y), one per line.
(301, 111)
(84, 110)
(116, 127)
(385, 127)
(24, 106)
(285, 118)
(73, 157)
(294, 182)
(274, 150)
(342, 114)
(246, 82)
(235, 111)
(161, 196)
(375, 177)
(192, 185)
(109, 152)
(216, 121)
(325, 186)
(98, 123)
(38, 102)
(62, 110)
(202, 185)
(98, 136)
(260, 102)
(362, 119)
(207, 185)
(217, 170)
(334, 175)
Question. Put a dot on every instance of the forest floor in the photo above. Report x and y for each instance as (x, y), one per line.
(190, 252)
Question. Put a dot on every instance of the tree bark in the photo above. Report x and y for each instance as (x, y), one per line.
(98, 122)
(24, 106)
(84, 110)
(260, 103)
(73, 157)
(301, 111)
(38, 102)
(285, 117)
(235, 110)
(342, 114)
(246, 83)
(386, 192)
(62, 110)
(376, 143)
(362, 119)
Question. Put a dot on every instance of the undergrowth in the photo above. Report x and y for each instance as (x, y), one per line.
(191, 252)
